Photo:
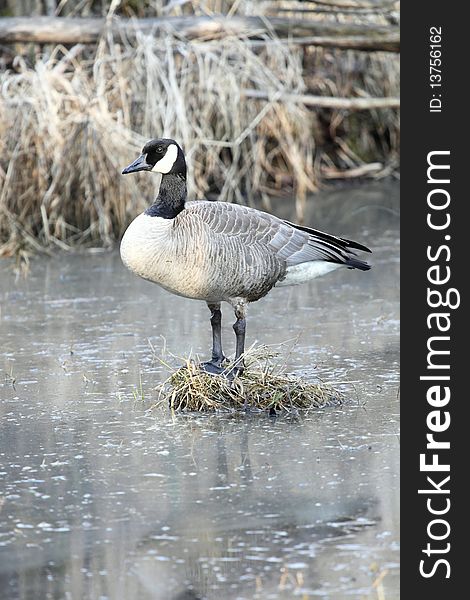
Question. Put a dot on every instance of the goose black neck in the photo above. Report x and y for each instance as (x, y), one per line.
(171, 197)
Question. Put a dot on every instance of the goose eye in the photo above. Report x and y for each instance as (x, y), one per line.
(160, 149)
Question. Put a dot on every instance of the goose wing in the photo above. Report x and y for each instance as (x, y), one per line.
(290, 243)
(318, 245)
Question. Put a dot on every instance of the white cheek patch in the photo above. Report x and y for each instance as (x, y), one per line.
(165, 164)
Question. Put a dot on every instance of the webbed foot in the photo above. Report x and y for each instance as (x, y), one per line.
(212, 368)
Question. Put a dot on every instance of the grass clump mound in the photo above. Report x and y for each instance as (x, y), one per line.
(264, 386)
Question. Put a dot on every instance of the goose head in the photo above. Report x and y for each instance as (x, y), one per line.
(160, 155)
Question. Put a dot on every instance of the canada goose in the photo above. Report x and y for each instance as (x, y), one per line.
(216, 251)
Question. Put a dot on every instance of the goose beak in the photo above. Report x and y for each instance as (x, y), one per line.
(140, 164)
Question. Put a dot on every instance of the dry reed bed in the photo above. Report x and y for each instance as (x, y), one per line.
(73, 120)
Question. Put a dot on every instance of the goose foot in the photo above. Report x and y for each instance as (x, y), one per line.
(212, 368)
(221, 368)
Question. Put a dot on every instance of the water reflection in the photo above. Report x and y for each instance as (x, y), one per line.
(103, 498)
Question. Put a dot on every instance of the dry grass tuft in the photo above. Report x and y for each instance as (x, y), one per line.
(264, 386)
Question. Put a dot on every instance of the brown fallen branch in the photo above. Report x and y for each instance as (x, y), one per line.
(334, 11)
(347, 43)
(325, 101)
(65, 30)
(383, 5)
(367, 170)
(367, 44)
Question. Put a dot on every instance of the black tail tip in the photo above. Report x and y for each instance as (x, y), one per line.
(357, 246)
(354, 263)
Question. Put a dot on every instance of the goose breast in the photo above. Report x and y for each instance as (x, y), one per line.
(211, 251)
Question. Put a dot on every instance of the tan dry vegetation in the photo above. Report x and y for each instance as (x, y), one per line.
(71, 119)
(68, 130)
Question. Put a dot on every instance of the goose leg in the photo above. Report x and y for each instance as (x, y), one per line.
(239, 327)
(214, 366)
